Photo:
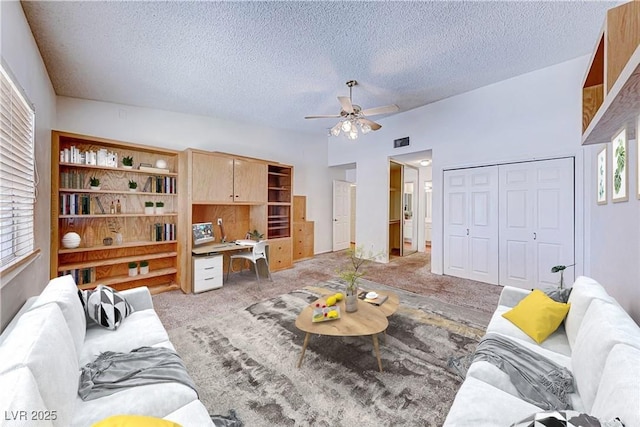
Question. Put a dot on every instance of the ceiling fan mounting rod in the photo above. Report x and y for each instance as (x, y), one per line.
(351, 84)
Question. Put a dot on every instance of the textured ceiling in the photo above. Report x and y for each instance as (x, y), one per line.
(272, 63)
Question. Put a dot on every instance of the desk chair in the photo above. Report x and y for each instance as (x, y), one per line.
(258, 252)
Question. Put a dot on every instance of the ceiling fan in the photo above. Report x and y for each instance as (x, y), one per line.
(353, 116)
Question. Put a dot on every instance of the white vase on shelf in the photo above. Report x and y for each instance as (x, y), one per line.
(148, 210)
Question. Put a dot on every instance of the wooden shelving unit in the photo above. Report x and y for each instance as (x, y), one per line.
(610, 98)
(279, 202)
(279, 211)
(75, 207)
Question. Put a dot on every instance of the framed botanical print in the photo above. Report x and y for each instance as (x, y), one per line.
(619, 169)
(601, 176)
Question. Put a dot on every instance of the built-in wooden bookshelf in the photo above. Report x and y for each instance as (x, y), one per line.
(610, 100)
(97, 214)
(279, 202)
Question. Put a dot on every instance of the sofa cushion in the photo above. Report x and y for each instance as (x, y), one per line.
(537, 315)
(42, 342)
(584, 290)
(63, 291)
(192, 414)
(155, 400)
(142, 328)
(565, 419)
(478, 404)
(618, 394)
(556, 342)
(106, 307)
(21, 403)
(25, 307)
(134, 421)
(605, 325)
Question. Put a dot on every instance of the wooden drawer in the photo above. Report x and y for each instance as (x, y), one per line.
(280, 254)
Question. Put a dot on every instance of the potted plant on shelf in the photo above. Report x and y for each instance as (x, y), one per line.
(159, 208)
(94, 183)
(148, 208)
(144, 267)
(133, 269)
(133, 186)
(127, 162)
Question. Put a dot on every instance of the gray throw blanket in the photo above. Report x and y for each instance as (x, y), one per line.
(538, 380)
(112, 372)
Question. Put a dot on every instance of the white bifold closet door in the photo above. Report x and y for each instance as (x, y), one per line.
(536, 222)
(471, 223)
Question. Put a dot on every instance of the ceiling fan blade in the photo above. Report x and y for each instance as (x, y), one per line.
(330, 116)
(374, 125)
(380, 110)
(345, 101)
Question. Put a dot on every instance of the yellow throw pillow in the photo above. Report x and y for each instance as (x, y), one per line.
(134, 421)
(537, 315)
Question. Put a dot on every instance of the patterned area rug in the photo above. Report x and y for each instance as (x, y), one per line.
(246, 360)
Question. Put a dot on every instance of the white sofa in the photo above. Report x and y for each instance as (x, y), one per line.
(598, 342)
(44, 347)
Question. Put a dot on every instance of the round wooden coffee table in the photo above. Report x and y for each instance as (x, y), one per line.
(368, 320)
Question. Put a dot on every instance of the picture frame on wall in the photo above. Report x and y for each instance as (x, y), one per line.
(619, 168)
(601, 176)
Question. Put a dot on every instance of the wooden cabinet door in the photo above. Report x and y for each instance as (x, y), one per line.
(250, 181)
(280, 254)
(212, 178)
(302, 240)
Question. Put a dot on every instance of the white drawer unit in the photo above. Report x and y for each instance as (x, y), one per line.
(207, 272)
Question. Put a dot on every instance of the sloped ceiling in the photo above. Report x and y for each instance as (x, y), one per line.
(272, 63)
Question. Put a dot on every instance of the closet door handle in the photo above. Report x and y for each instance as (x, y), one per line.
(535, 236)
(467, 231)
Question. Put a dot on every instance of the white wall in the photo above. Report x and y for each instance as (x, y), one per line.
(307, 153)
(535, 115)
(614, 234)
(21, 55)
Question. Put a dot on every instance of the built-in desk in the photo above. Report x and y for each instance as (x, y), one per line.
(219, 249)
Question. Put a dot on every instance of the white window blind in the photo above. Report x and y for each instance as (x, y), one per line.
(17, 174)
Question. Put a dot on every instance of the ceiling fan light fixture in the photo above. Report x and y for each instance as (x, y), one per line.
(353, 133)
(365, 128)
(335, 131)
(346, 126)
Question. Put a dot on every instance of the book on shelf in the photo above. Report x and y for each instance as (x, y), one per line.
(160, 232)
(81, 276)
(147, 185)
(99, 203)
(153, 170)
(379, 300)
(75, 204)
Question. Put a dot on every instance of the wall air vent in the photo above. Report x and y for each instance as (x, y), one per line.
(401, 142)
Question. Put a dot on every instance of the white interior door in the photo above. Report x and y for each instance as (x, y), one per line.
(537, 222)
(471, 223)
(341, 214)
(483, 221)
